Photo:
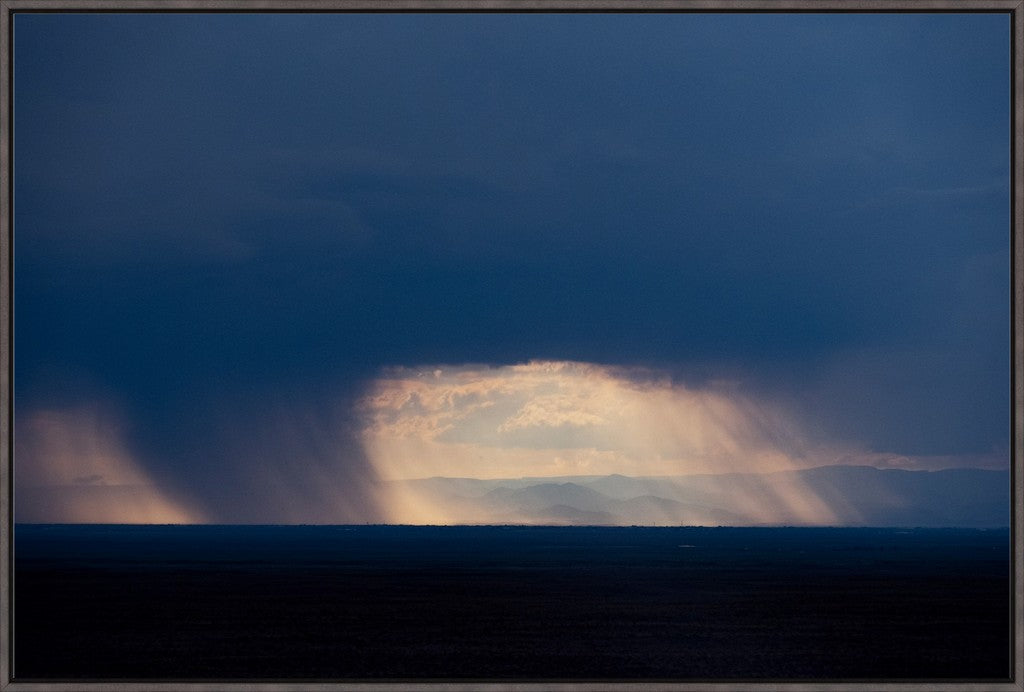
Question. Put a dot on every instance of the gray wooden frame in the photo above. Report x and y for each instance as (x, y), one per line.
(1015, 8)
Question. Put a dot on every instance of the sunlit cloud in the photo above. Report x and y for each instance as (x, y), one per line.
(549, 419)
(710, 455)
(72, 465)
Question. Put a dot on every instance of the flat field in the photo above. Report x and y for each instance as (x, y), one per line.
(525, 603)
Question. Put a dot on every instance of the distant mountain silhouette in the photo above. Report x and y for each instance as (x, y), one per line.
(543, 495)
(827, 495)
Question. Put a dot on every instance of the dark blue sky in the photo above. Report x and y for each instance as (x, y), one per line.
(221, 216)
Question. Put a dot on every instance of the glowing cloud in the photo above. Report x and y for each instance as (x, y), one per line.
(554, 418)
(566, 418)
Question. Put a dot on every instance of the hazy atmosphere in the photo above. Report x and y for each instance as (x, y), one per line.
(580, 268)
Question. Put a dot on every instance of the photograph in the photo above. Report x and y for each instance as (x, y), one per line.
(545, 345)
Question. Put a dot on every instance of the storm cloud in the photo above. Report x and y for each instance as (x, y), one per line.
(231, 229)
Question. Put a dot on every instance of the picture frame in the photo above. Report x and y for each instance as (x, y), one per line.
(10, 9)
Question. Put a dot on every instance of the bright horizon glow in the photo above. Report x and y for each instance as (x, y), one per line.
(541, 419)
(562, 418)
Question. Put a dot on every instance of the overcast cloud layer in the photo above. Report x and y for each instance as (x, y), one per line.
(230, 230)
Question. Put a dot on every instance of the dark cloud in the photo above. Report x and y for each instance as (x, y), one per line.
(212, 210)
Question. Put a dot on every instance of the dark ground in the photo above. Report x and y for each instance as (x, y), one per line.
(122, 602)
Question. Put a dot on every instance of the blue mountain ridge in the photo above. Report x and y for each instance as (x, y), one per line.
(827, 495)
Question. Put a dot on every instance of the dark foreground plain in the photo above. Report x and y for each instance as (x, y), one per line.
(529, 603)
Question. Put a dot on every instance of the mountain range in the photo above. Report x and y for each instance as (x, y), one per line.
(827, 495)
